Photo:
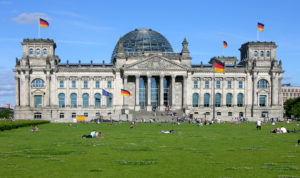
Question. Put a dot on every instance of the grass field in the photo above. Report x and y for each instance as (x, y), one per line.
(220, 150)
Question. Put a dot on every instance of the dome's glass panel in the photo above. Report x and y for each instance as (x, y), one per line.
(143, 40)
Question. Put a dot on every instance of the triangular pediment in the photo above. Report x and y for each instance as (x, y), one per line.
(156, 63)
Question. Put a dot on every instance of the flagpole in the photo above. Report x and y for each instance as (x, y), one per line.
(39, 27)
(223, 49)
(257, 35)
(213, 97)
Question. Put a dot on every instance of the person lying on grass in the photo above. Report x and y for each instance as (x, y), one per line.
(92, 135)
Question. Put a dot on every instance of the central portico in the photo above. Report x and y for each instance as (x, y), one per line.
(153, 83)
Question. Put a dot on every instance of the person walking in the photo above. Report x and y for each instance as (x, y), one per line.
(258, 125)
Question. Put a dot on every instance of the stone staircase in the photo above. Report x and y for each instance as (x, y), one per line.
(159, 116)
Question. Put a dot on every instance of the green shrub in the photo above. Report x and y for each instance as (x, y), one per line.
(7, 124)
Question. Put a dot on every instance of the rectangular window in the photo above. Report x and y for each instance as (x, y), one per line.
(218, 113)
(207, 113)
(240, 84)
(97, 114)
(61, 84)
(97, 84)
(73, 84)
(37, 115)
(218, 84)
(38, 101)
(207, 84)
(229, 84)
(262, 100)
(108, 84)
(229, 113)
(85, 84)
(73, 114)
(86, 114)
(61, 115)
(195, 84)
(241, 114)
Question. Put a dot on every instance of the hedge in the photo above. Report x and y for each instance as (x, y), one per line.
(8, 124)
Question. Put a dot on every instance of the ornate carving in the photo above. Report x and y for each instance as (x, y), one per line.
(156, 63)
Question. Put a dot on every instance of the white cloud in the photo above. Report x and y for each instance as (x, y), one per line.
(5, 3)
(30, 18)
(7, 92)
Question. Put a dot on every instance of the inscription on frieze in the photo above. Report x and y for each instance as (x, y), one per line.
(156, 63)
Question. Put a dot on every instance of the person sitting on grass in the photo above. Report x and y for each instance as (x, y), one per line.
(34, 129)
(92, 135)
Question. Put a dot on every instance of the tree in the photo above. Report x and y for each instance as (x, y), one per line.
(6, 113)
(292, 107)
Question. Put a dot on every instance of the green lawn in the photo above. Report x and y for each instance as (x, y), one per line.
(220, 150)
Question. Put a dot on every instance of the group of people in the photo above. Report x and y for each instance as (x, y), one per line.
(279, 130)
(93, 134)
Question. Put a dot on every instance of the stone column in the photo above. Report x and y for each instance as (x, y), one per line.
(125, 87)
(223, 92)
(149, 108)
(48, 78)
(27, 90)
(173, 91)
(234, 93)
(274, 91)
(17, 90)
(280, 93)
(254, 96)
(161, 92)
(184, 85)
(137, 92)
(201, 95)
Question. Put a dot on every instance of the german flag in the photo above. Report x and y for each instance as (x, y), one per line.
(260, 27)
(44, 23)
(219, 67)
(125, 92)
(224, 44)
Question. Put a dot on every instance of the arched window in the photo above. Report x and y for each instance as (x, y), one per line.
(97, 100)
(262, 84)
(268, 53)
(240, 99)
(261, 54)
(61, 100)
(195, 99)
(73, 100)
(44, 51)
(38, 51)
(85, 100)
(109, 101)
(30, 51)
(38, 83)
(255, 53)
(206, 100)
(218, 100)
(228, 99)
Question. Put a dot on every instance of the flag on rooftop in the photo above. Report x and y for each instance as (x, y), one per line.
(224, 44)
(44, 23)
(260, 27)
(219, 67)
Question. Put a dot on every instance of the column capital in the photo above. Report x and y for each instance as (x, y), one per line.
(149, 76)
(161, 75)
(16, 77)
(48, 77)
(27, 76)
(137, 76)
(173, 76)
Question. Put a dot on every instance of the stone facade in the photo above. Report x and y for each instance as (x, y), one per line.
(249, 88)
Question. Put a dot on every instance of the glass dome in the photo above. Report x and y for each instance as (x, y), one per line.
(141, 40)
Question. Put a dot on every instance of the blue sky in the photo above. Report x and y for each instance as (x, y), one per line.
(88, 30)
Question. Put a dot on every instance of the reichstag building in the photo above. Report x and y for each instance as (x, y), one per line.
(158, 79)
